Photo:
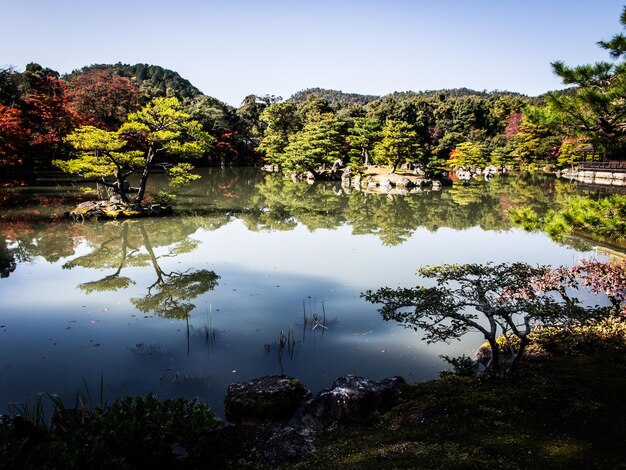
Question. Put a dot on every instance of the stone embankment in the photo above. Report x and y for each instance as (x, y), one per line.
(615, 178)
(393, 183)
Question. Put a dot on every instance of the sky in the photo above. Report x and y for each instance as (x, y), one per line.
(233, 48)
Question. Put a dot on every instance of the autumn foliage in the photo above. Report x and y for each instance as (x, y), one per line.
(13, 136)
(102, 98)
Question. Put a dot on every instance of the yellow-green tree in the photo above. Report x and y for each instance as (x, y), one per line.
(468, 155)
(160, 128)
(570, 151)
(398, 144)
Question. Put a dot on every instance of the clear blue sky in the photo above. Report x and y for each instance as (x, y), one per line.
(232, 48)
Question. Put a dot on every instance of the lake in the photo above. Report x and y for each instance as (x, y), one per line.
(254, 275)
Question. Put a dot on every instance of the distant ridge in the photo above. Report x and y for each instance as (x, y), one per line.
(338, 98)
(335, 98)
(450, 93)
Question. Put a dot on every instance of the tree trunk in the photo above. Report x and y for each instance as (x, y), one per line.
(494, 363)
(395, 166)
(144, 177)
(121, 186)
(523, 341)
(153, 257)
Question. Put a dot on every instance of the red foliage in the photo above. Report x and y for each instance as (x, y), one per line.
(604, 278)
(226, 143)
(12, 136)
(607, 279)
(513, 125)
(46, 111)
(434, 133)
(102, 97)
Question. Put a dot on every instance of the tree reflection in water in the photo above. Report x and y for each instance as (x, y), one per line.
(171, 294)
(267, 203)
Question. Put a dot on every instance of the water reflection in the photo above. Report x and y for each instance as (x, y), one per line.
(128, 244)
(273, 203)
(139, 300)
(282, 204)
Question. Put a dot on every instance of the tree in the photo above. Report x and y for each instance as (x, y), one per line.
(539, 136)
(314, 109)
(595, 108)
(617, 44)
(13, 136)
(281, 123)
(151, 81)
(570, 151)
(45, 111)
(362, 137)
(160, 128)
(102, 97)
(398, 144)
(319, 143)
(101, 155)
(468, 155)
(249, 114)
(490, 299)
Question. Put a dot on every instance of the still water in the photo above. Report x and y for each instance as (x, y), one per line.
(185, 305)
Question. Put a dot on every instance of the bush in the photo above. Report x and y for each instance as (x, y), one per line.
(462, 366)
(136, 432)
(163, 198)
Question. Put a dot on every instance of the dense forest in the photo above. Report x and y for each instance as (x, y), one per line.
(439, 130)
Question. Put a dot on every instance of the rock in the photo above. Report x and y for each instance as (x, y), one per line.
(110, 210)
(269, 444)
(269, 399)
(483, 354)
(403, 182)
(351, 399)
(86, 205)
(436, 184)
(385, 183)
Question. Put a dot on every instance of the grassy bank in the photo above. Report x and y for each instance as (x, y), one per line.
(564, 412)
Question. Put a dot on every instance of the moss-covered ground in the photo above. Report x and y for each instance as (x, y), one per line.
(566, 412)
